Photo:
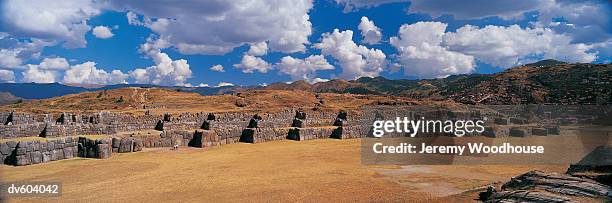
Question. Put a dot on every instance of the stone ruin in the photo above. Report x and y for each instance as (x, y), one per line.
(203, 130)
(215, 129)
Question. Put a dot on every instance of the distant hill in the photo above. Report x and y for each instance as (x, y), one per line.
(297, 85)
(38, 90)
(543, 82)
(49, 90)
(8, 98)
(547, 62)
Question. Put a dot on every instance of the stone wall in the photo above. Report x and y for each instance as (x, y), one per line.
(215, 129)
(34, 152)
(94, 148)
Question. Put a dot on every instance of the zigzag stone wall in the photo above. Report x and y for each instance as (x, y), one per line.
(207, 130)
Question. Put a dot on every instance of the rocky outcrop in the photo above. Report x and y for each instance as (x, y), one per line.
(558, 183)
(537, 186)
(596, 165)
(526, 196)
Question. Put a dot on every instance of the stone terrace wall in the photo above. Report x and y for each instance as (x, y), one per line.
(214, 129)
(34, 152)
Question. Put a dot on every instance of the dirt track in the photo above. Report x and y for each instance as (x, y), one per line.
(317, 170)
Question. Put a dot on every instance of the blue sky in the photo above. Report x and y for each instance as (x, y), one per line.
(170, 43)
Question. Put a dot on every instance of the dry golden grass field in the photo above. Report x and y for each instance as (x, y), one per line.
(308, 171)
(159, 101)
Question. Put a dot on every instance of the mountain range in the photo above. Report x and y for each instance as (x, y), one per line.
(543, 82)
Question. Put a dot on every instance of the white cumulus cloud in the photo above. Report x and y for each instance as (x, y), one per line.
(285, 25)
(420, 52)
(57, 69)
(303, 69)
(355, 60)
(7, 76)
(57, 63)
(426, 50)
(165, 71)
(37, 75)
(218, 68)
(258, 49)
(250, 64)
(87, 73)
(14, 52)
(506, 46)
(63, 21)
(102, 32)
(224, 84)
(371, 34)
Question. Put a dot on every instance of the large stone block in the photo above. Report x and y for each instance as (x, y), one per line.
(90, 151)
(126, 145)
(68, 152)
(11, 144)
(159, 125)
(248, 136)
(50, 145)
(489, 132)
(75, 151)
(519, 132)
(518, 121)
(210, 117)
(35, 145)
(46, 157)
(82, 151)
(337, 133)
(138, 145)
(205, 125)
(166, 142)
(103, 151)
(43, 146)
(300, 115)
(204, 139)
(36, 157)
(501, 121)
(104, 141)
(342, 115)
(539, 131)
(4, 149)
(167, 117)
(20, 151)
(253, 123)
(23, 145)
(297, 123)
(22, 160)
(294, 134)
(59, 154)
(553, 130)
(339, 122)
(116, 142)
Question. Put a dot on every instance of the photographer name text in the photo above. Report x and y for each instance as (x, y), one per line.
(472, 148)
